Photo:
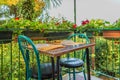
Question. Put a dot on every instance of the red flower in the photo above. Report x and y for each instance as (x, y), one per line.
(17, 18)
(85, 22)
(75, 26)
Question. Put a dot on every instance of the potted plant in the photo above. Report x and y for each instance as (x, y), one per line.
(112, 31)
(93, 27)
(32, 29)
(57, 28)
(14, 24)
(23, 26)
(5, 34)
(8, 28)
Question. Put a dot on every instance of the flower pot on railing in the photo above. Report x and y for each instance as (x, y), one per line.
(111, 34)
(33, 34)
(49, 35)
(5, 36)
(56, 35)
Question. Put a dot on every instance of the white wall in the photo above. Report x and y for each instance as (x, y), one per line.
(88, 9)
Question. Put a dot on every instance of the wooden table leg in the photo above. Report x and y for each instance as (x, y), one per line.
(88, 64)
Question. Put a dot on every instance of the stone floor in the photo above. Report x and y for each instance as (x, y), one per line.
(80, 77)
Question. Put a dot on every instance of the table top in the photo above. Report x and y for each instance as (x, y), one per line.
(61, 50)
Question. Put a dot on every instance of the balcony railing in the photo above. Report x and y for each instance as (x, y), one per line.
(105, 59)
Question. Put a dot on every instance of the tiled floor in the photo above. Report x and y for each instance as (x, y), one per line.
(80, 77)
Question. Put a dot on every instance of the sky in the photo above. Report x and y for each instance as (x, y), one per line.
(88, 9)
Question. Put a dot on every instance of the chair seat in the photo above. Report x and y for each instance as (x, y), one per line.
(46, 71)
(71, 62)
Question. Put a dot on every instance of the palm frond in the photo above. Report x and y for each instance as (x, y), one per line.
(52, 3)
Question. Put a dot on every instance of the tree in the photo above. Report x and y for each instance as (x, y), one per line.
(53, 3)
(29, 9)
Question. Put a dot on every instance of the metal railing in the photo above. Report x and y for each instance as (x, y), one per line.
(105, 59)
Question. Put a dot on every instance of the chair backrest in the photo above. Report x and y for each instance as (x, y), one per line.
(23, 43)
(79, 35)
(82, 38)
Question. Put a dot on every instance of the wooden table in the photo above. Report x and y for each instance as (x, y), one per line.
(61, 51)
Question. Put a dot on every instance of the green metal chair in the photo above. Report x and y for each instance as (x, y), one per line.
(34, 69)
(75, 61)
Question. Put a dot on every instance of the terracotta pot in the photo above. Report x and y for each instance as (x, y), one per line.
(109, 34)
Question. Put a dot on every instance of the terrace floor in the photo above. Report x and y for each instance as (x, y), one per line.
(80, 77)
